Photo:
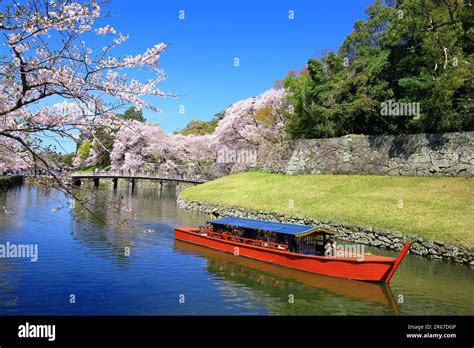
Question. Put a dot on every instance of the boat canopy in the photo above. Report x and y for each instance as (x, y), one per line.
(271, 226)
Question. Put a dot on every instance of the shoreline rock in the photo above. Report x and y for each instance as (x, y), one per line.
(436, 250)
(10, 181)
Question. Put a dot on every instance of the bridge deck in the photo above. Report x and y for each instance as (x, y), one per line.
(135, 177)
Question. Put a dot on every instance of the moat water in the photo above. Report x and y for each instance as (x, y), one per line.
(119, 257)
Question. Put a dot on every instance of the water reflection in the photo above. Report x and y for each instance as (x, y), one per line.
(292, 291)
(116, 223)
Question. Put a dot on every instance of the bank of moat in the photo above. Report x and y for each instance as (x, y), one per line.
(364, 235)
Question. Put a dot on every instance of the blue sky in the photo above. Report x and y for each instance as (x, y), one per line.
(200, 60)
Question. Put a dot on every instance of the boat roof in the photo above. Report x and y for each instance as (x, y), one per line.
(271, 226)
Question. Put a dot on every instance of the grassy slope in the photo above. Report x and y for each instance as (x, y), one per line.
(435, 208)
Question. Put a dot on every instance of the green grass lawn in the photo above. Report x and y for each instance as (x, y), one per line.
(435, 208)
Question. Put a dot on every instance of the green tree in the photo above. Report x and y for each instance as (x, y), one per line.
(132, 114)
(410, 51)
(309, 118)
(197, 127)
(67, 159)
(84, 149)
(102, 140)
(103, 144)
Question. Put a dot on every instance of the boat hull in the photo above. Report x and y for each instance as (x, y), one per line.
(370, 268)
(250, 272)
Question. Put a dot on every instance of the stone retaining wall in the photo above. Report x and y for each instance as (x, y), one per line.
(363, 235)
(448, 154)
(9, 181)
(46, 180)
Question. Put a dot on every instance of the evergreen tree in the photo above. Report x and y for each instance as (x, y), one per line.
(411, 51)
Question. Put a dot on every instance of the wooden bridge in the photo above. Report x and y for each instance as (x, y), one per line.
(132, 177)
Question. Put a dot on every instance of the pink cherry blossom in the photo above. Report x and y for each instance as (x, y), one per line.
(144, 147)
(91, 83)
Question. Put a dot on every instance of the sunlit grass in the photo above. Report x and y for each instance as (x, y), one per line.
(435, 208)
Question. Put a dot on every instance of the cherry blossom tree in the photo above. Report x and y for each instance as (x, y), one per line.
(183, 154)
(13, 157)
(144, 147)
(131, 143)
(255, 123)
(252, 122)
(45, 55)
(242, 127)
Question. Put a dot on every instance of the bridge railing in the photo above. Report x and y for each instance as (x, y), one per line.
(151, 175)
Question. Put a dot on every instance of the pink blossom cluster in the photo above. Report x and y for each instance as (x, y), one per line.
(48, 57)
(239, 129)
(14, 157)
(137, 144)
(131, 141)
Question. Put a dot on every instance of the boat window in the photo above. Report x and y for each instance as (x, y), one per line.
(312, 244)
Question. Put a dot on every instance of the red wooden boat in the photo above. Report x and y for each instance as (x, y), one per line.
(295, 246)
(251, 273)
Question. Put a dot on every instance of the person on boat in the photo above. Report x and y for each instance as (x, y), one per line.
(329, 248)
(266, 238)
(293, 245)
(215, 214)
